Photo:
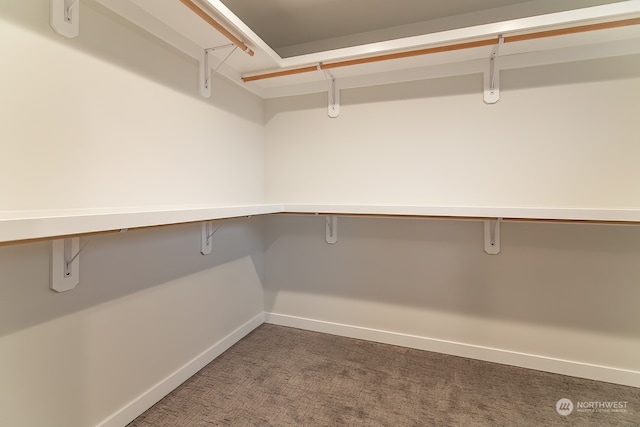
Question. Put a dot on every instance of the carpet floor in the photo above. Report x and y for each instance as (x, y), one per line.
(278, 376)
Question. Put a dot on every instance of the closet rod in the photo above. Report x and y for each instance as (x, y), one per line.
(215, 24)
(447, 48)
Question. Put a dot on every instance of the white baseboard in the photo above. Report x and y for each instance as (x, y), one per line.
(506, 357)
(531, 361)
(150, 397)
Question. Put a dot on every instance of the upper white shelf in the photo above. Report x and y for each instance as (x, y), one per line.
(18, 226)
(174, 23)
(28, 225)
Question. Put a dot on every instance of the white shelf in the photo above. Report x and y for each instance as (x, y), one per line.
(178, 26)
(534, 214)
(27, 225)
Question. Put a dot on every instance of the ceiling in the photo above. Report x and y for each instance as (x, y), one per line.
(296, 27)
(289, 34)
(283, 23)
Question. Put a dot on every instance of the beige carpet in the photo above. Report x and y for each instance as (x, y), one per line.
(279, 376)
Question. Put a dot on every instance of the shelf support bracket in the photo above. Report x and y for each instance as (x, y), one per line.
(65, 264)
(334, 95)
(492, 236)
(206, 240)
(65, 17)
(492, 76)
(331, 223)
(205, 72)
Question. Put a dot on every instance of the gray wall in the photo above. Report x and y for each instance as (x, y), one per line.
(113, 119)
(566, 292)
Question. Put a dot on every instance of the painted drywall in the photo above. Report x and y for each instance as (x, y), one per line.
(147, 305)
(561, 135)
(113, 118)
(558, 297)
(557, 293)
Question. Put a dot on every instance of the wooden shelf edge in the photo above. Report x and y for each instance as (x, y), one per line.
(18, 227)
(24, 226)
(588, 215)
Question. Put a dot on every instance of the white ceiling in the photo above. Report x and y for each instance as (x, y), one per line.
(282, 23)
(296, 27)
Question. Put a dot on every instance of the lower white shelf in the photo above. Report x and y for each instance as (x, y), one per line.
(18, 226)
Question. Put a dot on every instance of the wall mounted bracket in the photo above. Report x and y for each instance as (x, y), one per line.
(492, 76)
(208, 231)
(492, 236)
(334, 95)
(65, 264)
(205, 73)
(331, 223)
(65, 17)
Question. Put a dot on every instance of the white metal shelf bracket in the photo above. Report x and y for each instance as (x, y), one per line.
(334, 95)
(207, 236)
(331, 223)
(492, 76)
(65, 17)
(207, 232)
(205, 73)
(492, 236)
(65, 264)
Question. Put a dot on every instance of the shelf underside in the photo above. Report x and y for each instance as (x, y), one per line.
(18, 226)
